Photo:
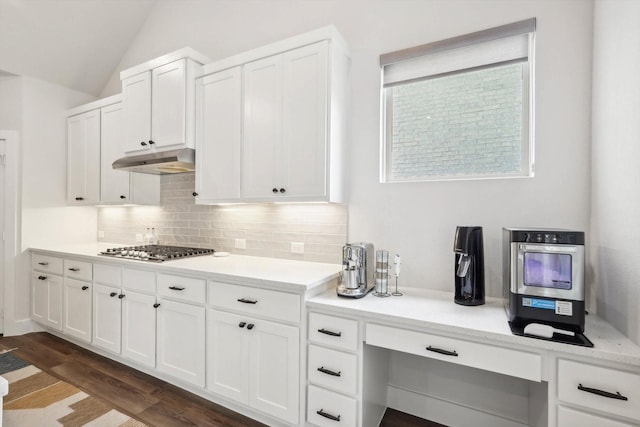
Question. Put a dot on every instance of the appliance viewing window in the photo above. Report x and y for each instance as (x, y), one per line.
(547, 270)
(460, 108)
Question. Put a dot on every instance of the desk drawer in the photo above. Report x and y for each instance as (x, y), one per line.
(182, 288)
(110, 275)
(139, 280)
(79, 270)
(333, 369)
(578, 383)
(255, 301)
(46, 263)
(502, 360)
(568, 417)
(326, 408)
(334, 331)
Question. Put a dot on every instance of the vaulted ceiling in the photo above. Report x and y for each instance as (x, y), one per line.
(73, 43)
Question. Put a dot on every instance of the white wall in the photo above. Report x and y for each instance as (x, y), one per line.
(418, 220)
(615, 205)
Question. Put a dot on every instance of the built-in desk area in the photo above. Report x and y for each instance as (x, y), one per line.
(360, 348)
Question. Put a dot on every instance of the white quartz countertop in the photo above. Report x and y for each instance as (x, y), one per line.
(289, 275)
(436, 312)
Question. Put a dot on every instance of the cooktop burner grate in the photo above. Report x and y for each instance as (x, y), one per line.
(155, 253)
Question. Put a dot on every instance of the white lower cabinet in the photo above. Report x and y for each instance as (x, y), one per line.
(327, 408)
(254, 362)
(139, 327)
(77, 309)
(568, 417)
(181, 341)
(46, 299)
(107, 318)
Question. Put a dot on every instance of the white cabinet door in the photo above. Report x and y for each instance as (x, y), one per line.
(274, 363)
(114, 184)
(46, 300)
(262, 137)
(107, 318)
(168, 107)
(218, 136)
(83, 158)
(136, 99)
(181, 341)
(77, 309)
(139, 328)
(304, 118)
(228, 355)
(568, 417)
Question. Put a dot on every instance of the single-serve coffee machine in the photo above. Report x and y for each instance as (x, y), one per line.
(357, 270)
(469, 266)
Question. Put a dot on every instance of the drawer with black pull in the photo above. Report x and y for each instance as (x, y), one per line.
(600, 388)
(182, 288)
(46, 263)
(333, 369)
(334, 331)
(326, 408)
(508, 361)
(255, 301)
(79, 270)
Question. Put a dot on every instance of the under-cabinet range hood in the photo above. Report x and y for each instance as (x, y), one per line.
(159, 162)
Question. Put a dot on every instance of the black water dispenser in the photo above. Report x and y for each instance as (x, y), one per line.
(469, 266)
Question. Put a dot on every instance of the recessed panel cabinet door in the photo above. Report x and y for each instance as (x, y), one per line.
(114, 187)
(139, 327)
(83, 158)
(218, 136)
(261, 158)
(168, 106)
(107, 314)
(136, 101)
(304, 118)
(46, 300)
(77, 309)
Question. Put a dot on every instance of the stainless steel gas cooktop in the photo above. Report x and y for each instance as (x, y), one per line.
(155, 253)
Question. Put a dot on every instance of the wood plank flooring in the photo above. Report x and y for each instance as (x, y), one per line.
(141, 396)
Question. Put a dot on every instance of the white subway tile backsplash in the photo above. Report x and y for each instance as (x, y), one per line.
(268, 229)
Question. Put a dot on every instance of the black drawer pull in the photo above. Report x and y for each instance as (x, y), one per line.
(603, 393)
(176, 288)
(242, 324)
(113, 294)
(79, 198)
(250, 326)
(42, 277)
(123, 197)
(74, 269)
(329, 372)
(441, 351)
(247, 301)
(156, 305)
(327, 415)
(121, 296)
(43, 263)
(151, 142)
(144, 144)
(84, 288)
(331, 333)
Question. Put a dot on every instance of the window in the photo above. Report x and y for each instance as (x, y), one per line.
(460, 108)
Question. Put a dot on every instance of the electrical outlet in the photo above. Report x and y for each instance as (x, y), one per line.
(100, 234)
(297, 247)
(241, 244)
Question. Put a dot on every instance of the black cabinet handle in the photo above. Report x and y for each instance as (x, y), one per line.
(144, 144)
(120, 296)
(282, 190)
(242, 324)
(441, 351)
(84, 288)
(79, 198)
(123, 197)
(43, 263)
(275, 190)
(151, 142)
(330, 372)
(194, 194)
(113, 294)
(156, 305)
(74, 269)
(250, 326)
(247, 301)
(603, 393)
(176, 288)
(42, 277)
(328, 415)
(330, 333)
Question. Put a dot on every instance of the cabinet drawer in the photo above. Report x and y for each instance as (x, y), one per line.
(577, 383)
(505, 361)
(333, 369)
(327, 408)
(49, 264)
(79, 270)
(255, 301)
(333, 331)
(568, 417)
(183, 288)
(107, 274)
(139, 280)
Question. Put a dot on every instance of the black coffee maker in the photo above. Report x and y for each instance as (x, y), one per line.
(469, 266)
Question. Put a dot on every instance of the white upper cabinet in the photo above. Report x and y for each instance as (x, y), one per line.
(292, 127)
(158, 98)
(83, 158)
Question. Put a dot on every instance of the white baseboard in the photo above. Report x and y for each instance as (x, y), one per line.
(443, 412)
(20, 327)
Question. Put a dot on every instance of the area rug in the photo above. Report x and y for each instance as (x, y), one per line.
(37, 399)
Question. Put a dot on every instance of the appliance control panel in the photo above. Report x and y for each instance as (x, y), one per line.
(555, 237)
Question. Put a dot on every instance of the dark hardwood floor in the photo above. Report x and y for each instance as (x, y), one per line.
(141, 396)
